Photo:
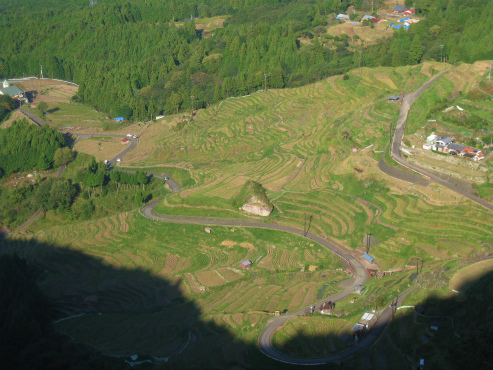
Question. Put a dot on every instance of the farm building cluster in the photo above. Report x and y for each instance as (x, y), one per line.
(446, 145)
(399, 9)
(370, 18)
(404, 22)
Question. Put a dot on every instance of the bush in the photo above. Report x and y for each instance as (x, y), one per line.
(345, 77)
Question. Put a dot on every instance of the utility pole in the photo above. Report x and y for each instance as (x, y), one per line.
(192, 97)
(265, 81)
(441, 55)
(304, 226)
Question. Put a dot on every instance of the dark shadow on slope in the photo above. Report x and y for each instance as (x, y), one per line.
(124, 312)
(450, 331)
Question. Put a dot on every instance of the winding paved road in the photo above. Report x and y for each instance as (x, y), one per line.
(265, 339)
(407, 102)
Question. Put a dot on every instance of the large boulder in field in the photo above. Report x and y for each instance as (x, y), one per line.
(253, 199)
(257, 206)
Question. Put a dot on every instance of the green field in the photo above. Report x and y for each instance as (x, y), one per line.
(177, 272)
(148, 278)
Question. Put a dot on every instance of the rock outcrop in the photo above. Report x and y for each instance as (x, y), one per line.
(257, 206)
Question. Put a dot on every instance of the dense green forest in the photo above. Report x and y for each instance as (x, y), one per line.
(132, 58)
(6, 105)
(24, 147)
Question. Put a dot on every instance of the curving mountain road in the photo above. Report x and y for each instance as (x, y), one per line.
(407, 102)
(264, 342)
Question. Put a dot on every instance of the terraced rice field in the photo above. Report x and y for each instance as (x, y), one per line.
(139, 279)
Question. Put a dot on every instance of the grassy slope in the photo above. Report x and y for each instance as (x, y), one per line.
(261, 138)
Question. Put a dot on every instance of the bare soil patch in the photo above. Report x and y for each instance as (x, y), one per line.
(228, 243)
(104, 148)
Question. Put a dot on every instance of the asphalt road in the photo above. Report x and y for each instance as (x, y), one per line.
(32, 117)
(133, 144)
(407, 102)
(265, 339)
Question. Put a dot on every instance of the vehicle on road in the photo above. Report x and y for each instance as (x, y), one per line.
(106, 161)
(129, 135)
(134, 136)
(165, 178)
(118, 159)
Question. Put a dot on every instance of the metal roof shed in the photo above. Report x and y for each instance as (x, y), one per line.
(369, 258)
(359, 288)
(246, 264)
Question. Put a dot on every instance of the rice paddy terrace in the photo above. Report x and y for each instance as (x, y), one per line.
(298, 144)
(160, 286)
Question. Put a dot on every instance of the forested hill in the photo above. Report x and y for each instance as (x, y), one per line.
(132, 57)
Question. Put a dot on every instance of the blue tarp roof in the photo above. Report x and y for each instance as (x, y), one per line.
(369, 258)
(403, 20)
(390, 25)
(119, 119)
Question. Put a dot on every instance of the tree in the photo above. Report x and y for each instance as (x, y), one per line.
(62, 193)
(415, 51)
(42, 107)
(63, 156)
(43, 162)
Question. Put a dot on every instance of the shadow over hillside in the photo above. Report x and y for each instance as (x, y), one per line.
(129, 311)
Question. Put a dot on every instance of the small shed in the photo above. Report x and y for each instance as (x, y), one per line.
(344, 17)
(246, 264)
(358, 329)
(354, 149)
(208, 230)
(125, 141)
(327, 307)
(368, 319)
(358, 289)
(119, 119)
(394, 98)
(369, 258)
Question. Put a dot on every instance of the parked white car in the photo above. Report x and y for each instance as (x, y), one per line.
(134, 136)
(129, 135)
(118, 159)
